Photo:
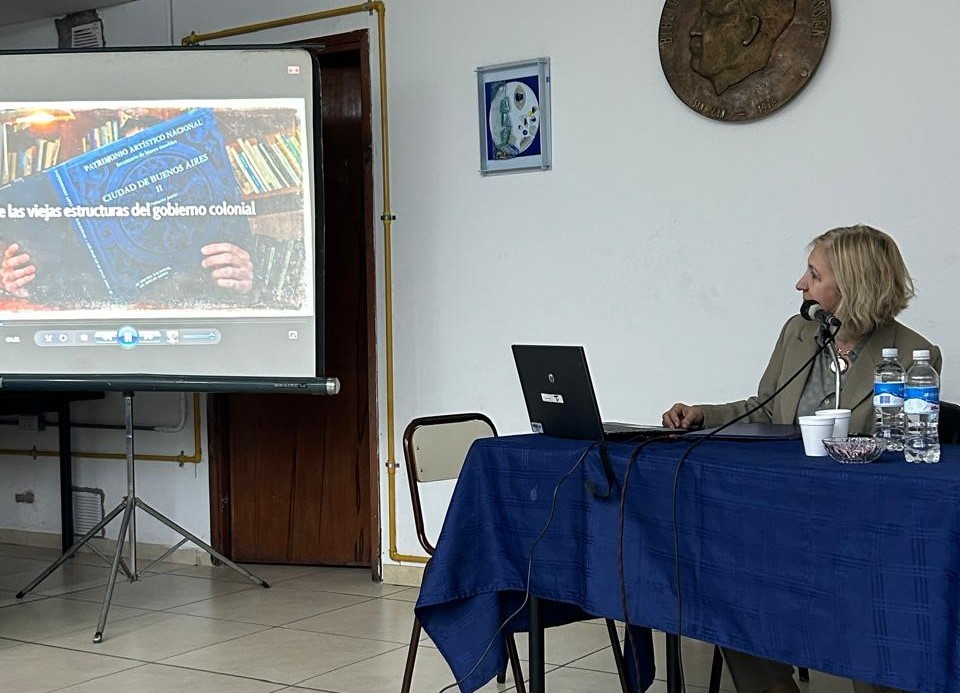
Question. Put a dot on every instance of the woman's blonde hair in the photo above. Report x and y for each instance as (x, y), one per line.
(872, 278)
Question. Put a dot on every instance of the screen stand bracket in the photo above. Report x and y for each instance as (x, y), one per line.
(128, 532)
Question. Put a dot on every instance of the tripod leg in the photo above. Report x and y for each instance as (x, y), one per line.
(206, 547)
(73, 549)
(131, 506)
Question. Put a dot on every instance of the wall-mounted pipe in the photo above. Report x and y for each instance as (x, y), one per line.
(181, 459)
(387, 218)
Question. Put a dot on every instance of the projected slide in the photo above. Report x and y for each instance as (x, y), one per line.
(160, 213)
(177, 232)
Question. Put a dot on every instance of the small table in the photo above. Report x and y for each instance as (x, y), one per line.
(849, 569)
(59, 402)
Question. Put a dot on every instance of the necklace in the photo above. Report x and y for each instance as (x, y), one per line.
(843, 359)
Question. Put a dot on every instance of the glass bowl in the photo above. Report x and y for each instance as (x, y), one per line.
(855, 449)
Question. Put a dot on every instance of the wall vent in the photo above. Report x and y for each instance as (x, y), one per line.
(88, 510)
(87, 35)
(81, 30)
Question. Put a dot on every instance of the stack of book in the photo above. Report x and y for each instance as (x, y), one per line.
(104, 134)
(266, 163)
(22, 154)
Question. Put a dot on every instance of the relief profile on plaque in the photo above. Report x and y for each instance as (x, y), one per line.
(741, 59)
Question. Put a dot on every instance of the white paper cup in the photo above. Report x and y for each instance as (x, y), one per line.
(814, 429)
(841, 421)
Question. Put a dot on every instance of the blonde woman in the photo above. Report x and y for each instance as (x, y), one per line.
(857, 274)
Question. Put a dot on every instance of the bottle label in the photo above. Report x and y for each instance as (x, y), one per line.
(921, 400)
(888, 394)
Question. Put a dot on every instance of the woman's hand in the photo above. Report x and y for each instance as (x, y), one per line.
(230, 266)
(683, 416)
(16, 271)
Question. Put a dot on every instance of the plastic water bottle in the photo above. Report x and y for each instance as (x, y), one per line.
(888, 384)
(921, 405)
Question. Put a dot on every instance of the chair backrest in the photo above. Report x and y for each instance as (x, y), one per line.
(949, 423)
(434, 448)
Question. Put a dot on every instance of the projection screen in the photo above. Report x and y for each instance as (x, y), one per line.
(159, 214)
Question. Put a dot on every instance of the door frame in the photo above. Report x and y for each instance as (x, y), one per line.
(216, 404)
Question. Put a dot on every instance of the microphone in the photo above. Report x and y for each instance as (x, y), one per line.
(811, 310)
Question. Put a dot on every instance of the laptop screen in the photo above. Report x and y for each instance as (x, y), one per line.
(558, 391)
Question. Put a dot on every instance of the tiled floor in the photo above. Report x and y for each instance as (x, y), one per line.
(209, 630)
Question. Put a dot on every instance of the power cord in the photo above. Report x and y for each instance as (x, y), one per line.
(526, 593)
(620, 532)
(676, 480)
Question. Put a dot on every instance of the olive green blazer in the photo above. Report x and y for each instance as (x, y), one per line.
(796, 344)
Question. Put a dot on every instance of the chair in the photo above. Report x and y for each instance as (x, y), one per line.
(949, 423)
(434, 448)
(716, 671)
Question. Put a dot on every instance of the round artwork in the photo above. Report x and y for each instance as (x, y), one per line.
(741, 59)
(514, 119)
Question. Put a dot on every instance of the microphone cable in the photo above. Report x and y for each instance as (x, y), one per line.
(526, 593)
(676, 479)
(620, 533)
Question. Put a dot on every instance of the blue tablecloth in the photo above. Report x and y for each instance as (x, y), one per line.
(848, 569)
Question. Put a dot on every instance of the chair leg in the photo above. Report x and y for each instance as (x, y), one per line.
(716, 671)
(803, 673)
(618, 655)
(411, 657)
(502, 674)
(514, 658)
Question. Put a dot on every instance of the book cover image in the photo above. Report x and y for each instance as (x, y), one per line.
(121, 207)
(165, 178)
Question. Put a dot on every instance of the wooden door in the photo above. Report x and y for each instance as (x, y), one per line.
(294, 477)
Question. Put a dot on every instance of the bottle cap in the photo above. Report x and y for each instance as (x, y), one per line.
(921, 355)
(891, 353)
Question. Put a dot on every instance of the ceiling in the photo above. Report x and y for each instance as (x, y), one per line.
(18, 11)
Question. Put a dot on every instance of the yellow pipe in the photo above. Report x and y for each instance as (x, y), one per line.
(195, 38)
(180, 459)
(387, 219)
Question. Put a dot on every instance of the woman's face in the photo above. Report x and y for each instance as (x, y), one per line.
(818, 283)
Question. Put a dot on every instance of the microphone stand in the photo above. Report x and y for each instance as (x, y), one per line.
(827, 337)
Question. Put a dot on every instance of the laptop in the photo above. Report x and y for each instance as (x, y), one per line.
(750, 430)
(560, 398)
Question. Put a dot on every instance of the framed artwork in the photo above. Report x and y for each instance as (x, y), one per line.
(514, 104)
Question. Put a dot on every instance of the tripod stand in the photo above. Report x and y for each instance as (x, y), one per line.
(128, 532)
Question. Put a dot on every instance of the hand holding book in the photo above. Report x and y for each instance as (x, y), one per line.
(16, 271)
(230, 266)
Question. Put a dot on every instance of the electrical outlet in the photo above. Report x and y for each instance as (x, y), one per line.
(25, 497)
(29, 423)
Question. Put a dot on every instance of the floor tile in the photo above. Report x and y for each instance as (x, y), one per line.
(271, 607)
(12, 565)
(70, 577)
(156, 636)
(158, 592)
(568, 680)
(153, 678)
(573, 641)
(356, 581)
(48, 618)
(273, 574)
(282, 655)
(210, 629)
(410, 594)
(9, 598)
(383, 674)
(39, 669)
(378, 619)
(825, 683)
(47, 555)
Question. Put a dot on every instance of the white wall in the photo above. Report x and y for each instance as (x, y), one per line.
(665, 242)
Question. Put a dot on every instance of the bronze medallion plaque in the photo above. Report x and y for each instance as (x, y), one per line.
(741, 59)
